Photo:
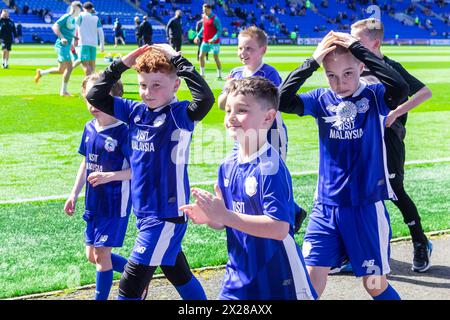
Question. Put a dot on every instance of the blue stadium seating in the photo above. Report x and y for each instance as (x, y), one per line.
(314, 23)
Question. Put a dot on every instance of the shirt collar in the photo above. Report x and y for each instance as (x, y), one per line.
(160, 108)
(247, 73)
(100, 128)
(362, 85)
(255, 155)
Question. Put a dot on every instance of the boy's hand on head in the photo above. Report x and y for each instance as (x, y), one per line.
(166, 49)
(130, 59)
(324, 47)
(344, 39)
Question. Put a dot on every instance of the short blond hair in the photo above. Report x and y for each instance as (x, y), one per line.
(257, 33)
(371, 27)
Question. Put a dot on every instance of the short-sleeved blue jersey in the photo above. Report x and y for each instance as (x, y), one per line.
(106, 149)
(264, 71)
(160, 140)
(278, 138)
(352, 164)
(261, 268)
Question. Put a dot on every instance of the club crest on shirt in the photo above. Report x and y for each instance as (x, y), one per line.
(159, 121)
(250, 186)
(137, 119)
(110, 144)
(344, 125)
(86, 140)
(346, 113)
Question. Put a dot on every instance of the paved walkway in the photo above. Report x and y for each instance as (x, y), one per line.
(432, 285)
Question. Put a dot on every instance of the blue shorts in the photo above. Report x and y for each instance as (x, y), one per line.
(105, 231)
(360, 234)
(158, 242)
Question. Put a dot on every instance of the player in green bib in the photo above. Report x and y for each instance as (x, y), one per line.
(64, 28)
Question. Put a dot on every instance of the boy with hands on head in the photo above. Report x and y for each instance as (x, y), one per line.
(160, 133)
(349, 219)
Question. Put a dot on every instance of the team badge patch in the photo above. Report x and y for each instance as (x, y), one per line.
(159, 121)
(250, 186)
(137, 119)
(110, 144)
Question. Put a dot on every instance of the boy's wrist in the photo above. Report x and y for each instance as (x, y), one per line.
(177, 60)
(312, 63)
(118, 66)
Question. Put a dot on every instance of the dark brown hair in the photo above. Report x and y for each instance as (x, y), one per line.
(260, 88)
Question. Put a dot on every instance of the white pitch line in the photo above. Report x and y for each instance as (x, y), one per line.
(208, 182)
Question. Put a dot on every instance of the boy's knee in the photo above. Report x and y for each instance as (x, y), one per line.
(180, 273)
(90, 256)
(134, 279)
(102, 255)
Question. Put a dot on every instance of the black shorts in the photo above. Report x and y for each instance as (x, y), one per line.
(395, 149)
(6, 45)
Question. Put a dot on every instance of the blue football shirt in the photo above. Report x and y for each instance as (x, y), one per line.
(261, 268)
(160, 140)
(106, 149)
(352, 164)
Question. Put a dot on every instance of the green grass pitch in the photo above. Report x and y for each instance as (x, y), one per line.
(43, 249)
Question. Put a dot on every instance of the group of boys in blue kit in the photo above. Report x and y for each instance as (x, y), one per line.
(140, 160)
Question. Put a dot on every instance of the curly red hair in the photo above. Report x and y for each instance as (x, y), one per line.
(154, 61)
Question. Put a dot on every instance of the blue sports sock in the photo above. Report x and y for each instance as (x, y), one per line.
(103, 284)
(192, 290)
(118, 262)
(119, 297)
(388, 294)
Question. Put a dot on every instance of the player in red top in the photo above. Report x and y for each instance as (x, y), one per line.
(211, 31)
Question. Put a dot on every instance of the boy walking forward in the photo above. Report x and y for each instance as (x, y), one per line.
(349, 219)
(160, 134)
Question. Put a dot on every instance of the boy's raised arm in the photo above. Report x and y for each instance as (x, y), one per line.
(99, 95)
(396, 87)
(202, 96)
(290, 102)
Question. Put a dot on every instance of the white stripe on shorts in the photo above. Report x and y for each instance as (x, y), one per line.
(383, 234)
(302, 289)
(163, 243)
